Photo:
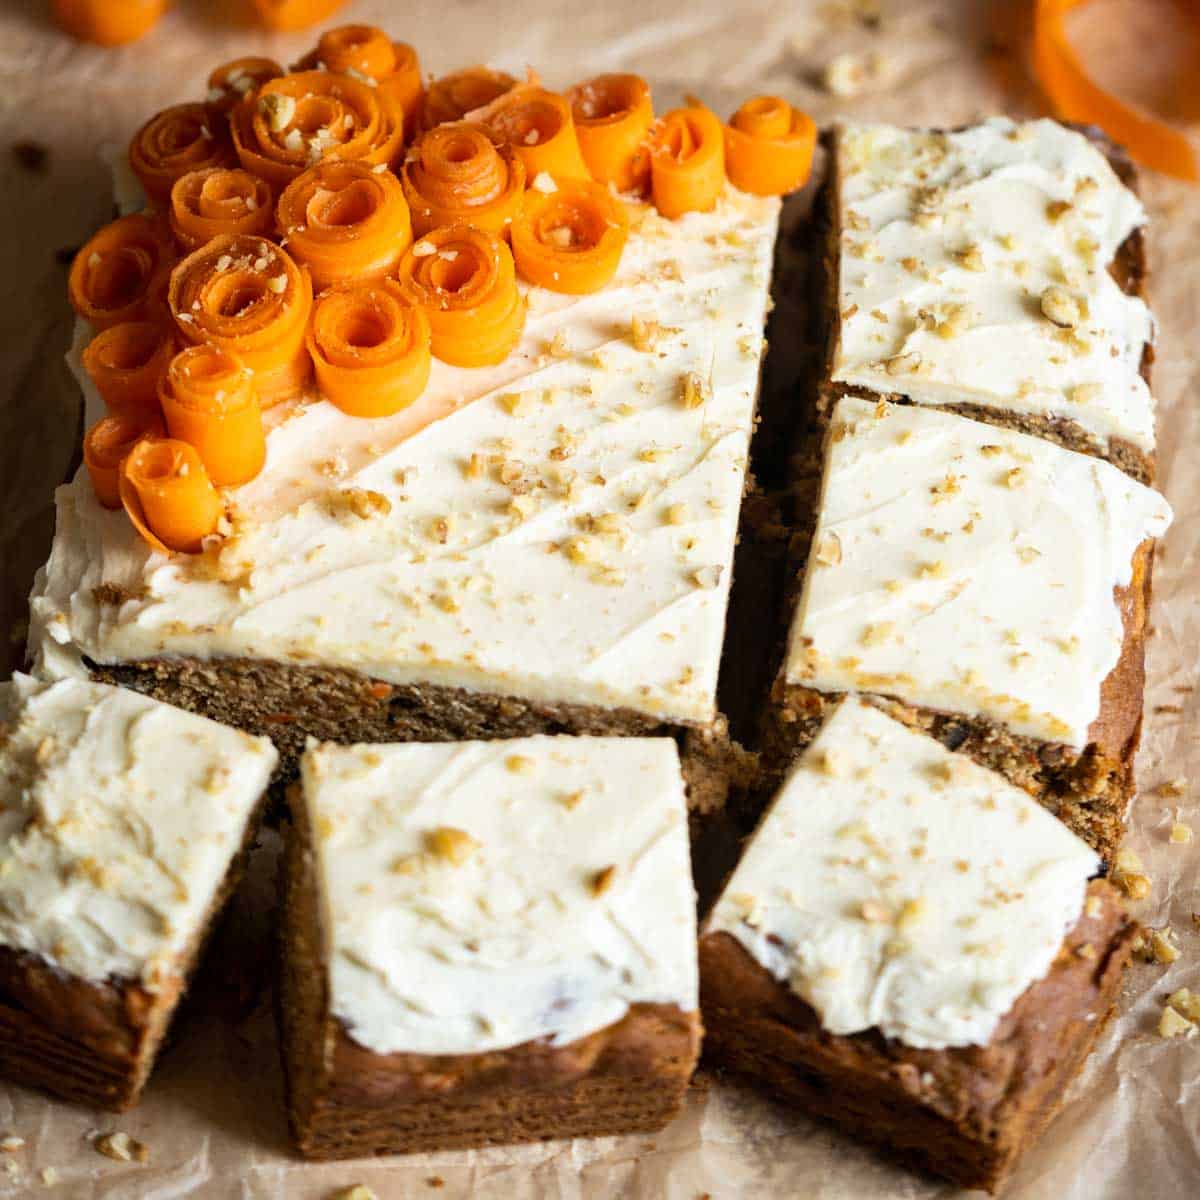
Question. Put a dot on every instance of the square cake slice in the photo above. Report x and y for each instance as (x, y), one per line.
(996, 270)
(991, 585)
(487, 942)
(911, 948)
(122, 826)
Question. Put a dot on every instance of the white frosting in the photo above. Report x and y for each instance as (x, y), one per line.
(119, 818)
(968, 569)
(516, 941)
(628, 613)
(897, 886)
(933, 222)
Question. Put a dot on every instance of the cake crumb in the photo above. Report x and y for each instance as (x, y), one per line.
(520, 764)
(1172, 787)
(601, 881)
(453, 845)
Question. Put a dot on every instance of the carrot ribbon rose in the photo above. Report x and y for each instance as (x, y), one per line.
(538, 125)
(452, 96)
(345, 221)
(249, 297)
(687, 161)
(769, 147)
(465, 281)
(456, 173)
(168, 495)
(105, 447)
(570, 240)
(232, 82)
(172, 143)
(217, 200)
(370, 349)
(126, 362)
(208, 401)
(114, 277)
(105, 22)
(613, 115)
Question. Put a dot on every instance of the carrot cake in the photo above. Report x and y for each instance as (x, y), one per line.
(487, 942)
(121, 826)
(911, 948)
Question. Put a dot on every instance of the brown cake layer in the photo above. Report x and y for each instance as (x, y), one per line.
(345, 1101)
(964, 1113)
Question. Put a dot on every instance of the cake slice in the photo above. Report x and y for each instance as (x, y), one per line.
(122, 826)
(911, 948)
(996, 270)
(487, 942)
(989, 587)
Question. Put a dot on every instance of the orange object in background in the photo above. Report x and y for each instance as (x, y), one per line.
(247, 296)
(457, 173)
(769, 147)
(687, 161)
(538, 125)
(107, 22)
(173, 142)
(217, 200)
(168, 495)
(465, 280)
(1075, 96)
(286, 16)
(570, 240)
(345, 221)
(613, 115)
(105, 447)
(370, 349)
(116, 274)
(452, 96)
(233, 81)
(126, 362)
(208, 401)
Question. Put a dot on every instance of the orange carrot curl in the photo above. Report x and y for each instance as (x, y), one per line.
(538, 125)
(126, 362)
(769, 147)
(613, 115)
(286, 16)
(233, 81)
(114, 276)
(687, 161)
(345, 221)
(465, 281)
(452, 96)
(219, 200)
(172, 143)
(108, 22)
(105, 447)
(247, 296)
(168, 495)
(404, 87)
(455, 172)
(570, 239)
(370, 349)
(295, 121)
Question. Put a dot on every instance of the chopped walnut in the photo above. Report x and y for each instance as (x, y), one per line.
(364, 504)
(1061, 307)
(875, 912)
(692, 390)
(1172, 1023)
(453, 845)
(520, 764)
(902, 364)
(278, 110)
(121, 1147)
(1181, 833)
(829, 551)
(601, 881)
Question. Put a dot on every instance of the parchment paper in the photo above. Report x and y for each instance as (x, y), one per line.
(213, 1113)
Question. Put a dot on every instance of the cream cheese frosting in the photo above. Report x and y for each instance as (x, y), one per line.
(973, 269)
(119, 820)
(895, 885)
(564, 532)
(479, 895)
(967, 568)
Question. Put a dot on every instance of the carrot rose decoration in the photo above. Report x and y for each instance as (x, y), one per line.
(126, 362)
(465, 281)
(345, 221)
(168, 495)
(172, 143)
(456, 173)
(114, 276)
(286, 16)
(687, 161)
(107, 23)
(296, 121)
(769, 147)
(217, 200)
(105, 447)
(570, 240)
(538, 125)
(452, 96)
(370, 349)
(613, 115)
(233, 81)
(247, 296)
(208, 401)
